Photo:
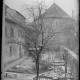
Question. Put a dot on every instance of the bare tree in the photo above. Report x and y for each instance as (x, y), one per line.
(40, 37)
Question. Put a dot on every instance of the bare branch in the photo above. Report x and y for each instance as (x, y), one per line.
(49, 37)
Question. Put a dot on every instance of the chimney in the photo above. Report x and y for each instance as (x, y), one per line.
(72, 13)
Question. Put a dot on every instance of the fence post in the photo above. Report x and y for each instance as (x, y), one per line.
(65, 57)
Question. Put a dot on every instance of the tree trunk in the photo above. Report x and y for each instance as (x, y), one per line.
(20, 54)
(66, 68)
(37, 68)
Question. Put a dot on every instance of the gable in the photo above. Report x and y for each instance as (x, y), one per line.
(56, 11)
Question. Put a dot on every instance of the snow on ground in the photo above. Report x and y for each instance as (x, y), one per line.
(26, 77)
(51, 74)
(20, 76)
(27, 64)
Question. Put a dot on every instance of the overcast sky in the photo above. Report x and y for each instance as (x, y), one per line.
(66, 5)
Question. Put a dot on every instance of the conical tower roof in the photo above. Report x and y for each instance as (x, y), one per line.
(55, 11)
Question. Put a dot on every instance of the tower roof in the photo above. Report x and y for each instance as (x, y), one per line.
(55, 11)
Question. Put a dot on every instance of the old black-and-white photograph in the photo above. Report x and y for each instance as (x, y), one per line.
(40, 40)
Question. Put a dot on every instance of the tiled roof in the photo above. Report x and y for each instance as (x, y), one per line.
(55, 11)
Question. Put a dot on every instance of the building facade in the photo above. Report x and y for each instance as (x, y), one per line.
(13, 34)
(61, 22)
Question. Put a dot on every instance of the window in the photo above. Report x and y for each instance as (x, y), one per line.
(11, 32)
(10, 51)
(7, 31)
(20, 33)
(6, 34)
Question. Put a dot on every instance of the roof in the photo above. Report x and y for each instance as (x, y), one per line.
(55, 11)
(11, 13)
